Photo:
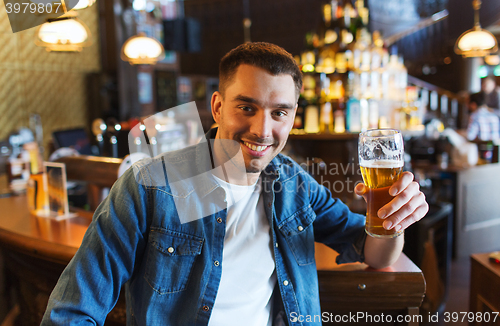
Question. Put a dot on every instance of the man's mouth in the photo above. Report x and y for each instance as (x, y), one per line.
(257, 148)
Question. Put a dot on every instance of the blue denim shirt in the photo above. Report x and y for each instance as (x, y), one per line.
(171, 270)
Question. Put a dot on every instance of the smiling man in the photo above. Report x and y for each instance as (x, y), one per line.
(249, 261)
(257, 110)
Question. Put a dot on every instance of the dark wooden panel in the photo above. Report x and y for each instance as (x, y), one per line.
(99, 171)
(383, 290)
(283, 22)
(484, 289)
(356, 288)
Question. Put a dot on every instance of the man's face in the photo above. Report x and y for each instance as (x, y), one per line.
(488, 85)
(257, 112)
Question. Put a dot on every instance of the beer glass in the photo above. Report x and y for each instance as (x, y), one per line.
(381, 159)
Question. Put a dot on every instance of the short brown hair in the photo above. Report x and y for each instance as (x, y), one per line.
(267, 56)
(477, 98)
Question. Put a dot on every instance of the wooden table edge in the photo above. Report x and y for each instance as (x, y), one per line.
(38, 248)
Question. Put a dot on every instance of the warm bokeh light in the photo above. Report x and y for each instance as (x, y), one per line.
(67, 34)
(64, 31)
(142, 50)
(477, 40)
(82, 4)
(492, 60)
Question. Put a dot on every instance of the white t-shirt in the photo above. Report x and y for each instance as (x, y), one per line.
(248, 268)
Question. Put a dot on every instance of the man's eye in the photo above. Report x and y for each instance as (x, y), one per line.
(280, 113)
(246, 108)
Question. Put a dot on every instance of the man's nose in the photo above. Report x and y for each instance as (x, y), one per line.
(261, 125)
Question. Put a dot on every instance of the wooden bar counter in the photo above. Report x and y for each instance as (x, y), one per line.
(484, 300)
(51, 240)
(37, 249)
(357, 288)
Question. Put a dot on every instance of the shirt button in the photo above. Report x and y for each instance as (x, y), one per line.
(300, 228)
(285, 282)
(170, 249)
(276, 245)
(216, 263)
(206, 308)
(219, 220)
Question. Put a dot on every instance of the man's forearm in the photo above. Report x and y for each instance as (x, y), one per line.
(380, 252)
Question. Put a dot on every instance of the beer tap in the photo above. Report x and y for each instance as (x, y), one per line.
(151, 132)
(135, 137)
(98, 128)
(113, 128)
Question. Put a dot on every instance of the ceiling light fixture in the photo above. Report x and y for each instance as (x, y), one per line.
(476, 42)
(64, 34)
(492, 60)
(142, 50)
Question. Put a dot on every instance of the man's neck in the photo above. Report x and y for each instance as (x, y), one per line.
(248, 179)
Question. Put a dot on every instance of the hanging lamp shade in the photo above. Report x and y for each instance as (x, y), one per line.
(66, 34)
(82, 4)
(492, 60)
(141, 49)
(476, 42)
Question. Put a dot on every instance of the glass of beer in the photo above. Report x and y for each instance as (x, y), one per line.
(381, 159)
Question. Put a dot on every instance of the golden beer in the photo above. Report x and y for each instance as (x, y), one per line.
(379, 176)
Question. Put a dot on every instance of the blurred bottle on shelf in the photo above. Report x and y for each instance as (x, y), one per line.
(351, 66)
(312, 119)
(326, 118)
(339, 118)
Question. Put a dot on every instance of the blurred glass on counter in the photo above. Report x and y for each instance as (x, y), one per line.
(36, 192)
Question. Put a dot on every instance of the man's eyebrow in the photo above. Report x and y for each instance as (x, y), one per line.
(251, 100)
(248, 99)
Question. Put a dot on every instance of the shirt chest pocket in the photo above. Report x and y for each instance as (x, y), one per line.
(170, 259)
(299, 234)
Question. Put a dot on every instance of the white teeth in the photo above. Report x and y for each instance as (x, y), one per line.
(255, 148)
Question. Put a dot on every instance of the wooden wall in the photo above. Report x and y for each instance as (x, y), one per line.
(283, 22)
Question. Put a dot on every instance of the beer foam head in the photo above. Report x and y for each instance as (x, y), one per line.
(382, 164)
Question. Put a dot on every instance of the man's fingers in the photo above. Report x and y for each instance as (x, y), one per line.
(401, 199)
(360, 189)
(416, 216)
(409, 213)
(402, 183)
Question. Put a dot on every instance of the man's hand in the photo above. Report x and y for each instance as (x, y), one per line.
(407, 207)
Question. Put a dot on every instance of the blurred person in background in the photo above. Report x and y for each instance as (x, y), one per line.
(491, 94)
(483, 123)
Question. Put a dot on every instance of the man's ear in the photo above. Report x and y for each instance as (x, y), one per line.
(216, 104)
